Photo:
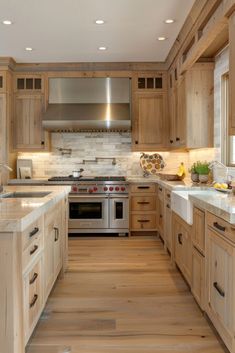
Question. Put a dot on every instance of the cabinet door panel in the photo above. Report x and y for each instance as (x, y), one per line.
(198, 235)
(150, 124)
(198, 277)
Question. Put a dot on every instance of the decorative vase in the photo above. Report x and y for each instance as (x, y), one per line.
(203, 178)
(194, 177)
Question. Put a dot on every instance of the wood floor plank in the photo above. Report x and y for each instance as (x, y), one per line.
(122, 295)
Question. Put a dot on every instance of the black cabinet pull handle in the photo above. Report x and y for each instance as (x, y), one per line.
(171, 141)
(219, 290)
(168, 206)
(143, 220)
(143, 187)
(160, 189)
(160, 215)
(35, 248)
(169, 195)
(42, 143)
(143, 203)
(136, 142)
(218, 226)
(33, 279)
(177, 139)
(180, 238)
(33, 302)
(33, 232)
(56, 229)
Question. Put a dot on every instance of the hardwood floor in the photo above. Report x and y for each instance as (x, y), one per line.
(121, 295)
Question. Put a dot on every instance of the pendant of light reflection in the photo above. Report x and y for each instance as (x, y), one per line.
(108, 100)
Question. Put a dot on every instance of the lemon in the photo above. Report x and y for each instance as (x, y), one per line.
(224, 186)
(217, 186)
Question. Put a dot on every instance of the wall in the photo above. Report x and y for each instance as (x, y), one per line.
(91, 145)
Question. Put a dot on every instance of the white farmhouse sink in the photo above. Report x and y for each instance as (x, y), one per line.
(182, 205)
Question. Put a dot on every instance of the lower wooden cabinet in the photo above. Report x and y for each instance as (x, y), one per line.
(220, 282)
(181, 233)
(143, 208)
(198, 277)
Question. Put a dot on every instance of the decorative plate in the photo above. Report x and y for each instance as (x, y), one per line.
(151, 163)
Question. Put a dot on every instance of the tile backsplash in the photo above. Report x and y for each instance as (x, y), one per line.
(88, 146)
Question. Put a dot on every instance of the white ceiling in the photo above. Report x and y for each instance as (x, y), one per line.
(64, 30)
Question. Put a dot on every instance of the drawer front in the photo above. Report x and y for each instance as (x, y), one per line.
(143, 188)
(32, 251)
(141, 222)
(34, 230)
(33, 297)
(221, 226)
(143, 203)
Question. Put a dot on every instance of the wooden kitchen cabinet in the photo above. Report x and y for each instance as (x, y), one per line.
(53, 247)
(27, 122)
(198, 234)
(181, 233)
(143, 208)
(191, 97)
(149, 121)
(231, 74)
(220, 272)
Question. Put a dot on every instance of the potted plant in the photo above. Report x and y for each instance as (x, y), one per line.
(194, 174)
(203, 170)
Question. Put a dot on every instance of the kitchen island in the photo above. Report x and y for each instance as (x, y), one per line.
(33, 251)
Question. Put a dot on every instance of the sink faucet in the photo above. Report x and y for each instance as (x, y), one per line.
(217, 163)
(6, 167)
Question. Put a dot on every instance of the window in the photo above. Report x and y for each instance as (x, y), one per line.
(228, 142)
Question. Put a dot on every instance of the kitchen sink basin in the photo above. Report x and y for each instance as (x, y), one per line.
(183, 206)
(14, 195)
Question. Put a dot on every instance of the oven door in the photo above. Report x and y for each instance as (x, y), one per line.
(88, 212)
(119, 212)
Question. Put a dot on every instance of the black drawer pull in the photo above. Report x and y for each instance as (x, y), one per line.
(143, 202)
(171, 141)
(143, 187)
(160, 189)
(168, 195)
(218, 226)
(177, 139)
(219, 290)
(33, 232)
(33, 279)
(35, 248)
(168, 206)
(136, 142)
(143, 220)
(56, 229)
(160, 215)
(33, 302)
(180, 238)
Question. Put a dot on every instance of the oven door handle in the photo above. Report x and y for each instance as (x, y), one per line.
(88, 196)
(117, 196)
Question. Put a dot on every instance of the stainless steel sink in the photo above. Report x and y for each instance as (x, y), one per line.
(34, 194)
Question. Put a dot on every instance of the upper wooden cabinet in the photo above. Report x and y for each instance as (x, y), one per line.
(27, 123)
(191, 98)
(149, 122)
(150, 81)
(231, 74)
(28, 83)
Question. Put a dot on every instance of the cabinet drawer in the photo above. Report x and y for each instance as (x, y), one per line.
(31, 232)
(143, 203)
(221, 226)
(33, 297)
(141, 221)
(143, 188)
(32, 251)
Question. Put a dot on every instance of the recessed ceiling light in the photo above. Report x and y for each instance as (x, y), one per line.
(161, 38)
(169, 20)
(28, 49)
(99, 22)
(7, 22)
(102, 48)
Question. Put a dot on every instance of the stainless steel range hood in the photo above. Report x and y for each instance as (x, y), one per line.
(88, 104)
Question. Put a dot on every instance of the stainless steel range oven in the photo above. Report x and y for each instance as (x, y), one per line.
(99, 207)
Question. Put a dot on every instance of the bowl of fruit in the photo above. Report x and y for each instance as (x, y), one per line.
(222, 187)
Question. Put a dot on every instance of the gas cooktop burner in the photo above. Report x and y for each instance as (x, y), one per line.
(98, 178)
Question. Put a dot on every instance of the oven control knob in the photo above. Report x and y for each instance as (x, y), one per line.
(117, 188)
(123, 188)
(90, 191)
(110, 188)
(105, 188)
(74, 188)
(95, 188)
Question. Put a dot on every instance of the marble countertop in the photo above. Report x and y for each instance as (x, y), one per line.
(220, 204)
(16, 214)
